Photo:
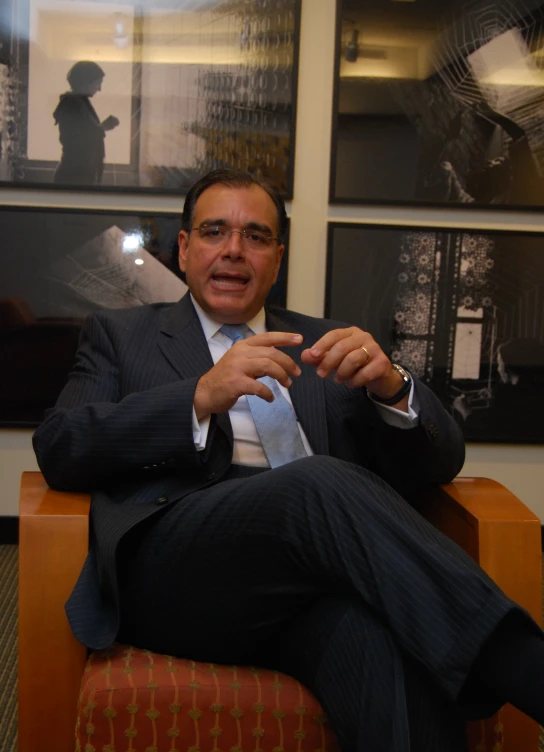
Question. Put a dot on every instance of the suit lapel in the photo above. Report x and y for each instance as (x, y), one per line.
(184, 345)
(307, 392)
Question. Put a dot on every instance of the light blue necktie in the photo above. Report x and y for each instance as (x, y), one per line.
(276, 422)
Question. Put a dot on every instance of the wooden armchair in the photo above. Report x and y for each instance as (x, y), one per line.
(482, 516)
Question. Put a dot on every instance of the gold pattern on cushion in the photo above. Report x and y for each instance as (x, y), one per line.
(486, 735)
(139, 701)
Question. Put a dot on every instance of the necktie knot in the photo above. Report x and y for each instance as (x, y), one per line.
(235, 332)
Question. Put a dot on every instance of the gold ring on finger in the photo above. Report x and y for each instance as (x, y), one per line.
(363, 348)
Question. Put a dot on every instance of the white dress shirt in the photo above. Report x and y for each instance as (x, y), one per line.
(247, 445)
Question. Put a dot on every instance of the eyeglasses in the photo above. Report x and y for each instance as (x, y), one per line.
(216, 236)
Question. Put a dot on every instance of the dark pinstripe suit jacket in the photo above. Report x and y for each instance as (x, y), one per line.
(122, 427)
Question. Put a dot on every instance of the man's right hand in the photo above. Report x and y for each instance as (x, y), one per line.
(236, 373)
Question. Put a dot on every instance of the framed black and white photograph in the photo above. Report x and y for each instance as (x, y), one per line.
(463, 311)
(58, 266)
(148, 95)
(439, 103)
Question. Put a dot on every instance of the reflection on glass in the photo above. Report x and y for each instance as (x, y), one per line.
(440, 102)
(58, 266)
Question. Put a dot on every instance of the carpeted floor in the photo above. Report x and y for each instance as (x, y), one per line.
(8, 652)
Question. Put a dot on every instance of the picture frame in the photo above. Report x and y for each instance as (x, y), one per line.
(146, 97)
(462, 310)
(439, 104)
(60, 265)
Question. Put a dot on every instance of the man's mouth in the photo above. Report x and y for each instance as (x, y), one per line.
(229, 281)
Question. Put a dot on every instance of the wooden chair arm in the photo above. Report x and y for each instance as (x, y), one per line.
(482, 516)
(504, 537)
(53, 543)
(497, 530)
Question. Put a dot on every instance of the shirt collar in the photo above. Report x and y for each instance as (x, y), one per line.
(210, 327)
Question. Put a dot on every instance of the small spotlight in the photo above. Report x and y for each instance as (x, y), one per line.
(139, 262)
(120, 36)
(352, 49)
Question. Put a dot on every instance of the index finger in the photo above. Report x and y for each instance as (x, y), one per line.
(328, 340)
(275, 339)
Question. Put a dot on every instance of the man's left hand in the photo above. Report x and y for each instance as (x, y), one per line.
(357, 360)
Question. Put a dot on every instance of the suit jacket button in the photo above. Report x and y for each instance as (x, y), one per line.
(162, 500)
(210, 476)
(432, 429)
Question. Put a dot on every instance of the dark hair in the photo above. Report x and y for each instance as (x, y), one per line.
(83, 73)
(236, 179)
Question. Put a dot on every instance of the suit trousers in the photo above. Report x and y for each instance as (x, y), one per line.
(320, 569)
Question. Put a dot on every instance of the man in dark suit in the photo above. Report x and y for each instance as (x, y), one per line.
(212, 538)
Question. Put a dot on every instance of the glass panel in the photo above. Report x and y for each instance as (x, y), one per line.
(146, 94)
(440, 102)
(58, 266)
(464, 311)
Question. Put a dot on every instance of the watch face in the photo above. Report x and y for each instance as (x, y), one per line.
(405, 375)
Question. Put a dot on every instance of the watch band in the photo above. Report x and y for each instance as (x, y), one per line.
(403, 391)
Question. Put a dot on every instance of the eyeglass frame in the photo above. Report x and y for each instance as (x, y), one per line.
(229, 230)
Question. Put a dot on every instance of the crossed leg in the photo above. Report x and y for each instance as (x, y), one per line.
(221, 576)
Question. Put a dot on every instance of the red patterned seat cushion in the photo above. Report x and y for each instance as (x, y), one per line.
(145, 702)
(139, 701)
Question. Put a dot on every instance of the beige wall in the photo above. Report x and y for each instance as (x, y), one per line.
(521, 468)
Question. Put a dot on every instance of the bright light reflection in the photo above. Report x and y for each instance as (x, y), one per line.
(139, 261)
(132, 242)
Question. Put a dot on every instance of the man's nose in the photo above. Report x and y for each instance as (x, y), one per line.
(234, 245)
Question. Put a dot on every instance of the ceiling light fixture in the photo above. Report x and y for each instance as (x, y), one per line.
(352, 48)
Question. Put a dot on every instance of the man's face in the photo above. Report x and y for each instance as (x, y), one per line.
(231, 282)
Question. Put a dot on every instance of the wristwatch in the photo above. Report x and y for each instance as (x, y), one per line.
(403, 391)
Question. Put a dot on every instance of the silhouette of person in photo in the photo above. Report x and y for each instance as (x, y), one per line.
(81, 133)
(517, 394)
(512, 178)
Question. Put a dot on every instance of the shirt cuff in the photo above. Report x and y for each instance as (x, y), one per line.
(398, 418)
(200, 431)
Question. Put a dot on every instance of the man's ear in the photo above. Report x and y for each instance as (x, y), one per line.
(183, 243)
(281, 249)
